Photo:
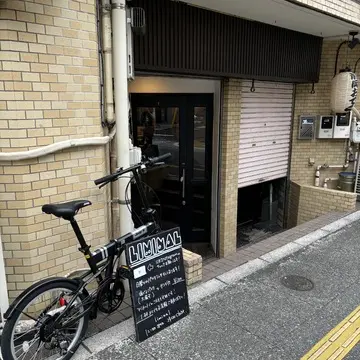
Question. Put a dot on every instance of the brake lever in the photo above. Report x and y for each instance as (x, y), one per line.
(103, 184)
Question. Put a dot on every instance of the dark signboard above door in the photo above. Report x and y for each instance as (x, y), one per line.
(158, 286)
(184, 39)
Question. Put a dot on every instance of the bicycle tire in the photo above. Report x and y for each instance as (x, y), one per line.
(6, 338)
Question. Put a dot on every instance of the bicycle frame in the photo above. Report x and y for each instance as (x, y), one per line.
(113, 249)
(109, 250)
(104, 268)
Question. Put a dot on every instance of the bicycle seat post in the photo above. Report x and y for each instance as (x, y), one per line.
(84, 247)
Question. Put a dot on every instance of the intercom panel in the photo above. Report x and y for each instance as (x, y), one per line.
(342, 126)
(325, 126)
(306, 127)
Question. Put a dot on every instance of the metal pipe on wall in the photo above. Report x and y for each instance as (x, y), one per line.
(108, 103)
(108, 69)
(328, 179)
(326, 166)
(344, 166)
(356, 159)
(317, 175)
(119, 48)
(270, 200)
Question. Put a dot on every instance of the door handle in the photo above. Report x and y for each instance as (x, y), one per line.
(183, 183)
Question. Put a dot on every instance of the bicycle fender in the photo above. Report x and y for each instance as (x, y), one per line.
(9, 312)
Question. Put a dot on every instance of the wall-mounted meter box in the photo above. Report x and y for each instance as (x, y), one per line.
(324, 126)
(342, 126)
(306, 127)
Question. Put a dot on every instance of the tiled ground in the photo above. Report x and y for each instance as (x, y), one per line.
(213, 267)
(104, 321)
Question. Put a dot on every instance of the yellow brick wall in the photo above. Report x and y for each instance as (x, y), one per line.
(346, 9)
(323, 151)
(294, 198)
(309, 202)
(49, 92)
(230, 137)
(193, 267)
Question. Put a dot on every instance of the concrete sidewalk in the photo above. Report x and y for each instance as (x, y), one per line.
(247, 313)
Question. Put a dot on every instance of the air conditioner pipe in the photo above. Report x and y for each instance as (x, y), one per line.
(326, 166)
(52, 148)
(328, 179)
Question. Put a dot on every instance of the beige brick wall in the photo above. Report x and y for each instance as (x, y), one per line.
(309, 202)
(323, 151)
(49, 92)
(294, 198)
(193, 267)
(346, 9)
(230, 138)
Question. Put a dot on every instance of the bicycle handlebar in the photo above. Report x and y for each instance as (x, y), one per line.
(158, 159)
(150, 162)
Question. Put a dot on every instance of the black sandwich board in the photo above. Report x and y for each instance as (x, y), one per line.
(157, 285)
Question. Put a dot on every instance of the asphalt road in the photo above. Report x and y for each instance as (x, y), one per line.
(259, 318)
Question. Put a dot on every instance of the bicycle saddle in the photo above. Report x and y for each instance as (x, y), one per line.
(65, 210)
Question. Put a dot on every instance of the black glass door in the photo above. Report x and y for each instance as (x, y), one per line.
(182, 125)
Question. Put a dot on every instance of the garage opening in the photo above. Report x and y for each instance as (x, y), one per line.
(265, 127)
(260, 211)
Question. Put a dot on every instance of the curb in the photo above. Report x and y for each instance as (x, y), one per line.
(125, 329)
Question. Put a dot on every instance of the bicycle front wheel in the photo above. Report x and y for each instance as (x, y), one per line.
(35, 331)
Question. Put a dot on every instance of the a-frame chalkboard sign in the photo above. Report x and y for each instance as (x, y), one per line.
(158, 286)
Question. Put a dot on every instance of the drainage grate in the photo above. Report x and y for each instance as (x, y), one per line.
(295, 282)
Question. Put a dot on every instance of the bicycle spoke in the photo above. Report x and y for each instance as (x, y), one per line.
(29, 316)
(23, 356)
(17, 339)
(39, 334)
(32, 343)
(37, 351)
(72, 318)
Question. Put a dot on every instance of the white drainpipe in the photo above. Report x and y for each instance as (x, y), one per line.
(317, 175)
(119, 48)
(344, 166)
(52, 148)
(4, 300)
(326, 166)
(326, 181)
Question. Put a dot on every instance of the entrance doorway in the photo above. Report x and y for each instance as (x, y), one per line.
(180, 124)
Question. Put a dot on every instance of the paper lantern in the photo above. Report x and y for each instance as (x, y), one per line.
(344, 89)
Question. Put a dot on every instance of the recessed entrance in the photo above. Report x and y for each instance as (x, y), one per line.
(180, 124)
(260, 211)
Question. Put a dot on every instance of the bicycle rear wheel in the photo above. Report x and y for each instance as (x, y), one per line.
(34, 330)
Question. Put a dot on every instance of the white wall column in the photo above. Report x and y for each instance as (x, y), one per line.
(119, 20)
(4, 299)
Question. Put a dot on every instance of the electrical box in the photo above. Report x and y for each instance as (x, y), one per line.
(355, 130)
(306, 127)
(129, 46)
(342, 126)
(324, 126)
(135, 155)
